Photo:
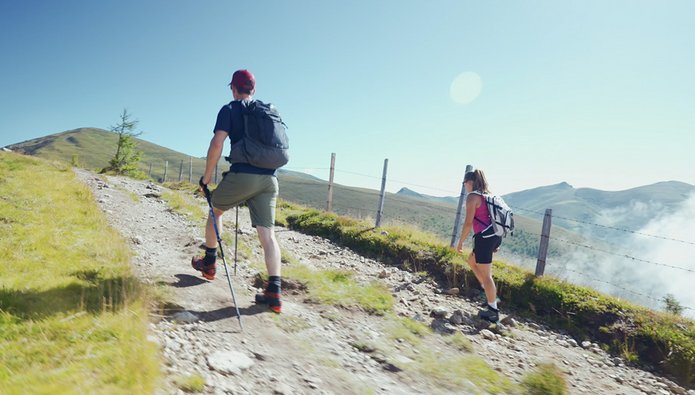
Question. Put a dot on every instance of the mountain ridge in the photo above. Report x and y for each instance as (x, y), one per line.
(46, 146)
(93, 147)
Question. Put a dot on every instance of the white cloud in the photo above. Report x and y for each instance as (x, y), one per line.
(643, 280)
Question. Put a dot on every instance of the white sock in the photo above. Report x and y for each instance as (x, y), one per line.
(493, 304)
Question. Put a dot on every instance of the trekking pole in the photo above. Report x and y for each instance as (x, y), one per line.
(206, 191)
(236, 237)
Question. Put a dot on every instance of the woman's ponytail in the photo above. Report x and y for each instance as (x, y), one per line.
(478, 178)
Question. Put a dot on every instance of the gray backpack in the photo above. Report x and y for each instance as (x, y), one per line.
(265, 143)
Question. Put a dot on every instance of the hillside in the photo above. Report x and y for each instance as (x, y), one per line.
(94, 147)
(632, 208)
(439, 199)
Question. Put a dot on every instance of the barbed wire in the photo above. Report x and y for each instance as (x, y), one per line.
(425, 186)
(515, 207)
(315, 184)
(624, 230)
(529, 210)
(452, 211)
(432, 204)
(357, 174)
(621, 255)
(350, 207)
(622, 288)
(604, 226)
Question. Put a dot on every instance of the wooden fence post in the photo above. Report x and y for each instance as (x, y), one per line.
(456, 233)
(181, 171)
(545, 238)
(329, 204)
(149, 173)
(190, 169)
(380, 210)
(166, 167)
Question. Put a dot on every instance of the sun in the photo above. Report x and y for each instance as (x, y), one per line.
(466, 87)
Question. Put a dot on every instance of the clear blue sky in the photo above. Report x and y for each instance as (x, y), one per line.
(598, 94)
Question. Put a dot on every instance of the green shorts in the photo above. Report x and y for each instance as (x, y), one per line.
(259, 191)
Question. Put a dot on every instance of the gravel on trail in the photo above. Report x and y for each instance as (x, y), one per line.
(322, 349)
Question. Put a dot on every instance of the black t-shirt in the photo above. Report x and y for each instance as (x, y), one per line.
(232, 122)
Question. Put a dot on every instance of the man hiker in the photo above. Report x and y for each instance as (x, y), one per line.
(256, 186)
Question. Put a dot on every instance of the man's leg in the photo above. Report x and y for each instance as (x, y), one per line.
(271, 253)
(262, 210)
(271, 250)
(206, 264)
(210, 236)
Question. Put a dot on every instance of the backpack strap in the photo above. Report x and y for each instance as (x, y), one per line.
(231, 119)
(484, 197)
(243, 114)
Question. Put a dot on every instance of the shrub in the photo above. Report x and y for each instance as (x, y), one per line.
(546, 380)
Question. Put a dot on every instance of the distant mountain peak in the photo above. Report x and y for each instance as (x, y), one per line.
(451, 200)
(407, 192)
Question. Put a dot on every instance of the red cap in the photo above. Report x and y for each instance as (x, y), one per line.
(243, 79)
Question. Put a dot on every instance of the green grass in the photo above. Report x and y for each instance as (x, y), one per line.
(191, 383)
(455, 372)
(337, 287)
(245, 244)
(287, 257)
(460, 342)
(72, 317)
(184, 186)
(451, 370)
(290, 324)
(185, 205)
(547, 379)
(132, 195)
(408, 329)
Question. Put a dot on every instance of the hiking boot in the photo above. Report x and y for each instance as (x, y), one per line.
(490, 314)
(271, 299)
(482, 299)
(483, 303)
(208, 271)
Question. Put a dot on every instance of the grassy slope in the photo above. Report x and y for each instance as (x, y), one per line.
(72, 318)
(662, 340)
(94, 147)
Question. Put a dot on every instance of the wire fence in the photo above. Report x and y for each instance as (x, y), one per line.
(364, 203)
(607, 248)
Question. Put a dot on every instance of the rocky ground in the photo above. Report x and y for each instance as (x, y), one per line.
(321, 349)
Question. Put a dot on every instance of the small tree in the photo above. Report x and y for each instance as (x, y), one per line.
(127, 156)
(672, 305)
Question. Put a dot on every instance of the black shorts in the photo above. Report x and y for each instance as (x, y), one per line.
(484, 247)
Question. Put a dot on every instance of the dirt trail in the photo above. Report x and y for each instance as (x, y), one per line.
(319, 349)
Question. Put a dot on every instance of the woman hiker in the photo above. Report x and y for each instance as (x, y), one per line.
(480, 259)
